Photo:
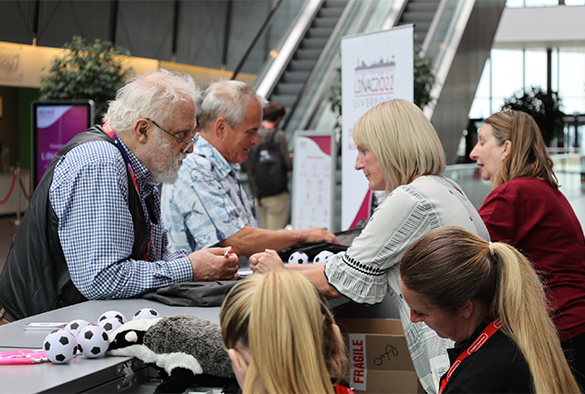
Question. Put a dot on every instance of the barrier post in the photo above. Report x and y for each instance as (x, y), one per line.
(17, 221)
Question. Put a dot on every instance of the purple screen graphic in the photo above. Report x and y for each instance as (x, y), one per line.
(56, 125)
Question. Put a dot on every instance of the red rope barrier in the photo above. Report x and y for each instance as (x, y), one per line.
(11, 188)
(24, 191)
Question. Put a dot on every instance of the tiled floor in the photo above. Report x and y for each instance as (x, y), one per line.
(476, 190)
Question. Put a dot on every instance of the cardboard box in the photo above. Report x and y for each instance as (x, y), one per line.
(379, 358)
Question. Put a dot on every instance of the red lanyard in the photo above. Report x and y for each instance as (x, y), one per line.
(115, 138)
(486, 334)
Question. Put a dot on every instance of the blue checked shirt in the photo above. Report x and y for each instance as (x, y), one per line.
(207, 203)
(89, 194)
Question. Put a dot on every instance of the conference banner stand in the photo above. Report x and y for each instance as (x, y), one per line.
(313, 180)
(375, 67)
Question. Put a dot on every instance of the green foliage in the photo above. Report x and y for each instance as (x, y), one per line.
(334, 96)
(424, 79)
(545, 108)
(86, 71)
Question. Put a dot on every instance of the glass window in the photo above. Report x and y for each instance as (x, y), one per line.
(515, 3)
(555, 70)
(573, 105)
(533, 3)
(507, 72)
(574, 2)
(572, 79)
(480, 109)
(535, 68)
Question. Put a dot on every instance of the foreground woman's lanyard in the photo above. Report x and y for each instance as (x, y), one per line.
(115, 138)
(490, 330)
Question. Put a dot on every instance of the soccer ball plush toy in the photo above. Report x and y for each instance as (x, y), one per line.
(110, 314)
(92, 341)
(60, 346)
(298, 258)
(145, 313)
(109, 325)
(187, 349)
(323, 257)
(74, 326)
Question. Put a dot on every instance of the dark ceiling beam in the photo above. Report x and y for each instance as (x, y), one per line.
(35, 26)
(113, 21)
(226, 36)
(175, 30)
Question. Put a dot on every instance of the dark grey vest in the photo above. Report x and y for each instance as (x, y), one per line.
(35, 278)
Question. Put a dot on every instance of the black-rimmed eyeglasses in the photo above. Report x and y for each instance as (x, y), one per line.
(187, 144)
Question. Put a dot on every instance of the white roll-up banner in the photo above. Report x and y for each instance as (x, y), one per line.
(376, 67)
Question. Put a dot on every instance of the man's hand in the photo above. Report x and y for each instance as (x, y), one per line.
(213, 264)
(319, 234)
(266, 261)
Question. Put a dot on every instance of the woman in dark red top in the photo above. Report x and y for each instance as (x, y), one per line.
(527, 209)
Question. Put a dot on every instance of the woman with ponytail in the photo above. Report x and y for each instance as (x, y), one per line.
(528, 210)
(281, 336)
(488, 299)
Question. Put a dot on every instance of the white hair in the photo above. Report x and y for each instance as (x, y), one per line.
(228, 99)
(152, 95)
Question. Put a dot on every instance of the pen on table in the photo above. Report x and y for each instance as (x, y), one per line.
(227, 253)
(22, 360)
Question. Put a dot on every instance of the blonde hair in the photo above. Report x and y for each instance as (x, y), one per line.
(449, 266)
(528, 157)
(403, 140)
(284, 322)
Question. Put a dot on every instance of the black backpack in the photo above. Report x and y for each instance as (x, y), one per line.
(270, 173)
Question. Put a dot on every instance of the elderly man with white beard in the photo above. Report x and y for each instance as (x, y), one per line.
(93, 229)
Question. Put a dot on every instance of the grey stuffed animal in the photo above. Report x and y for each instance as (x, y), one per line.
(188, 348)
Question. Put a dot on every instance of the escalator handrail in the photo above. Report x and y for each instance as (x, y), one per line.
(398, 8)
(433, 27)
(256, 39)
(358, 28)
(273, 74)
(328, 45)
(444, 60)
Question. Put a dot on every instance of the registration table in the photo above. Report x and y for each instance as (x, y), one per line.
(107, 374)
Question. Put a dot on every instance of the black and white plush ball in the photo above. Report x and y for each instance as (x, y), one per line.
(145, 313)
(298, 258)
(109, 314)
(323, 257)
(92, 341)
(60, 346)
(109, 325)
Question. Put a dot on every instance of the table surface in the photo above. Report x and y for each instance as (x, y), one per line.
(81, 373)
(13, 334)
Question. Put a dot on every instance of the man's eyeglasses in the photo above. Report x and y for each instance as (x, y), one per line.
(187, 144)
(508, 110)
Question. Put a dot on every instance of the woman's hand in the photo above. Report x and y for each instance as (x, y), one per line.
(269, 260)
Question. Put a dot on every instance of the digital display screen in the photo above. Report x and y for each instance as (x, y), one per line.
(54, 124)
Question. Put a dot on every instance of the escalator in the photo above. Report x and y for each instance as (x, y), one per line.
(419, 13)
(289, 85)
(456, 34)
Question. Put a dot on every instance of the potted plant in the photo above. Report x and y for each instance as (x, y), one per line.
(545, 107)
(86, 71)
